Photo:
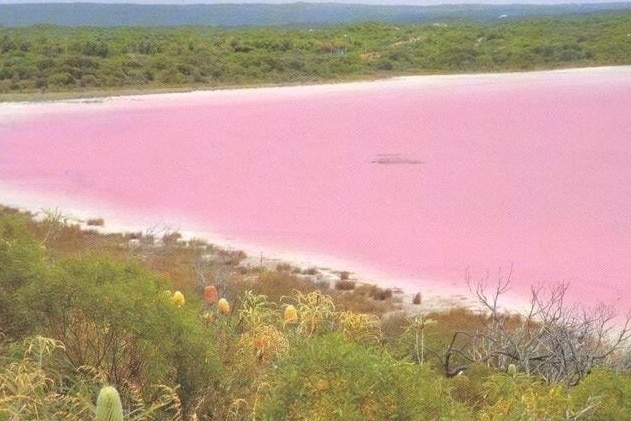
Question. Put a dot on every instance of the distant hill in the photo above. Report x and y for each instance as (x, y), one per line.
(294, 14)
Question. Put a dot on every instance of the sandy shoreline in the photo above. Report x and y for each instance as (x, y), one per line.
(30, 108)
(435, 297)
(119, 220)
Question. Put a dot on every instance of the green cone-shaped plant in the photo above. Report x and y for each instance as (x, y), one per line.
(512, 370)
(108, 405)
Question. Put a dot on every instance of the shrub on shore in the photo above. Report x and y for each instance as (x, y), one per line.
(345, 285)
(95, 222)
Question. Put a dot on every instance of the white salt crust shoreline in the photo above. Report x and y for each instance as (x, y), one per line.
(12, 110)
(435, 295)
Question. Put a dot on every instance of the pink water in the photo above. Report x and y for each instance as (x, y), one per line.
(417, 178)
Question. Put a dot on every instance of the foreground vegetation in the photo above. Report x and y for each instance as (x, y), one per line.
(88, 59)
(81, 310)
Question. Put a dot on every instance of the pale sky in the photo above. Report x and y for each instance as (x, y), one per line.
(386, 2)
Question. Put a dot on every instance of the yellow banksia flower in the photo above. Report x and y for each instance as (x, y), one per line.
(512, 370)
(178, 299)
(108, 405)
(223, 306)
(290, 315)
(210, 295)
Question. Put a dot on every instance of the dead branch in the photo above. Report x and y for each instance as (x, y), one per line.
(556, 341)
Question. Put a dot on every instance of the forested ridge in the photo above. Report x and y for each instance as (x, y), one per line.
(50, 59)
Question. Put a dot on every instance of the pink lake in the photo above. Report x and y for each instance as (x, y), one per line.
(413, 179)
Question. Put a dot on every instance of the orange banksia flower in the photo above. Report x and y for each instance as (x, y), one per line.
(223, 306)
(210, 295)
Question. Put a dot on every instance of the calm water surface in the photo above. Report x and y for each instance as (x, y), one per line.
(414, 178)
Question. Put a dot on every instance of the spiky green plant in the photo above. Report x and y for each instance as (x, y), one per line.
(108, 405)
(317, 311)
(256, 310)
(359, 327)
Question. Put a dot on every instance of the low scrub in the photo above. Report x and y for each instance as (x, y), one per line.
(211, 344)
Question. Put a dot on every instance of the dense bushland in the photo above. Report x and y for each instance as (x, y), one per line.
(87, 59)
(80, 310)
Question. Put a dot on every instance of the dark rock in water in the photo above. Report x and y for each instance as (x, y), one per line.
(395, 159)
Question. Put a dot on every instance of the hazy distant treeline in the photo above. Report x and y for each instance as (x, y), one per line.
(54, 58)
(294, 14)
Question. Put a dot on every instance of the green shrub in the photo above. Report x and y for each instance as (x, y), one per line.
(468, 391)
(22, 260)
(608, 392)
(331, 379)
(523, 397)
(114, 316)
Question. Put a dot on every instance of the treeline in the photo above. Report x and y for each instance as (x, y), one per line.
(304, 14)
(184, 331)
(83, 59)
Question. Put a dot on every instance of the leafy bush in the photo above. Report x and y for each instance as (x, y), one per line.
(115, 317)
(607, 392)
(22, 261)
(332, 379)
